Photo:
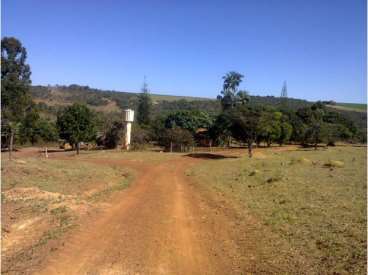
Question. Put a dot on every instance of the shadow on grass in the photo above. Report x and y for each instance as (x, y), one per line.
(55, 150)
(209, 156)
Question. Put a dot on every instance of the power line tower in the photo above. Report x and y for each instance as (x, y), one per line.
(284, 90)
(145, 85)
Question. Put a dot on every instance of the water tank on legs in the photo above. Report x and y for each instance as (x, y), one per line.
(128, 118)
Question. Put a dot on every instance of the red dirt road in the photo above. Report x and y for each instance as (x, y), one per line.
(160, 225)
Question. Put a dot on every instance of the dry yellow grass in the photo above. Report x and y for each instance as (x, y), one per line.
(320, 210)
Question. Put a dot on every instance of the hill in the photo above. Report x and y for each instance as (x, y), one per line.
(50, 99)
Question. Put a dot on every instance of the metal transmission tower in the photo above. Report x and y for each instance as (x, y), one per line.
(145, 85)
(284, 90)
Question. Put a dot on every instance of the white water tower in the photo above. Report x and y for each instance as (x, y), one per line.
(128, 118)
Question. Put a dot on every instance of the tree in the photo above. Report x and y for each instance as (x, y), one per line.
(177, 139)
(298, 127)
(219, 131)
(29, 127)
(286, 131)
(312, 117)
(76, 124)
(144, 106)
(140, 137)
(113, 135)
(269, 128)
(15, 79)
(315, 133)
(189, 120)
(47, 130)
(244, 124)
(11, 129)
(230, 93)
(15, 82)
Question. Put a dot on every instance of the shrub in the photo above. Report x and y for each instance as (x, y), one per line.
(113, 135)
(334, 163)
(140, 138)
(177, 139)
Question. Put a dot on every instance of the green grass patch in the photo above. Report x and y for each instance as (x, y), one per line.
(358, 107)
(319, 209)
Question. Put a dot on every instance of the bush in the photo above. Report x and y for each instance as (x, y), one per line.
(113, 135)
(140, 138)
(177, 139)
(334, 163)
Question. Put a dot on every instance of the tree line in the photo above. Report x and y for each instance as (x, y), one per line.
(239, 120)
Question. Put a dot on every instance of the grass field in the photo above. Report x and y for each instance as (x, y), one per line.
(160, 97)
(61, 176)
(359, 107)
(315, 200)
(302, 203)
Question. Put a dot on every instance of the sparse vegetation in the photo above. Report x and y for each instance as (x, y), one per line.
(60, 176)
(316, 200)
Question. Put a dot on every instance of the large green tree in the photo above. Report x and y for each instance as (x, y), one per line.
(144, 106)
(189, 120)
(315, 130)
(244, 124)
(269, 127)
(286, 131)
(15, 82)
(177, 139)
(219, 131)
(76, 124)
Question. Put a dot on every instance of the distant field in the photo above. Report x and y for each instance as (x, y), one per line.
(318, 206)
(350, 107)
(158, 97)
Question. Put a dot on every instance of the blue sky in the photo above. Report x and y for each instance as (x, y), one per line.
(185, 47)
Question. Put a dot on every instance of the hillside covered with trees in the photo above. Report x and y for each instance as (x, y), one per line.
(34, 114)
(51, 99)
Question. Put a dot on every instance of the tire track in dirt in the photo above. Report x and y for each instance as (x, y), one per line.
(157, 226)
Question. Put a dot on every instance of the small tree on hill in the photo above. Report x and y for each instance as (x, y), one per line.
(76, 124)
(144, 106)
